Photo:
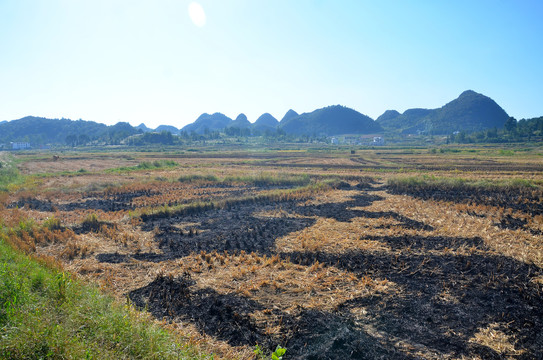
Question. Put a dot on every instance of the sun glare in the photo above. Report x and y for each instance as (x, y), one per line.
(197, 14)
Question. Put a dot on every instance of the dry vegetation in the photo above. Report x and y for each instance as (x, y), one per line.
(331, 255)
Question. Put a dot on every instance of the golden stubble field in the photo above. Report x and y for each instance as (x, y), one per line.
(318, 252)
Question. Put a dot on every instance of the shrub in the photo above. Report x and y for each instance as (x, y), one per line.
(52, 223)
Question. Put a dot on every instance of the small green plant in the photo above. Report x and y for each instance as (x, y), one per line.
(61, 280)
(276, 355)
(259, 352)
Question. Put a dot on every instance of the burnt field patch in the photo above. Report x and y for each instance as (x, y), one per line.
(307, 334)
(236, 228)
(513, 223)
(516, 197)
(451, 287)
(232, 230)
(119, 200)
(444, 302)
(224, 316)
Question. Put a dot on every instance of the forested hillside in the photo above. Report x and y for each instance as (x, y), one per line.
(42, 131)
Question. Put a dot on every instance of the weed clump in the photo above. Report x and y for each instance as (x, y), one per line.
(9, 174)
(198, 178)
(52, 223)
(91, 223)
(157, 164)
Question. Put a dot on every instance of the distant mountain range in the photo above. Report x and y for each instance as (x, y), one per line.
(38, 130)
(469, 112)
(168, 128)
(332, 120)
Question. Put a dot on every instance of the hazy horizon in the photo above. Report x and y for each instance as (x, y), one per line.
(167, 62)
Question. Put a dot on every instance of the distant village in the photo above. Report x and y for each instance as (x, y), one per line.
(16, 146)
(363, 140)
(358, 140)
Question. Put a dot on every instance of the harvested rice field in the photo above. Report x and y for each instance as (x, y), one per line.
(367, 254)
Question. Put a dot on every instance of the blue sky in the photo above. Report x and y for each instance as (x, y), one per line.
(149, 61)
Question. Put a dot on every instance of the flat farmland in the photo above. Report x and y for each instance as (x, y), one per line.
(377, 253)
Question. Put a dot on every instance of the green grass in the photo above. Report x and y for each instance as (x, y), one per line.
(9, 174)
(46, 314)
(146, 165)
(66, 173)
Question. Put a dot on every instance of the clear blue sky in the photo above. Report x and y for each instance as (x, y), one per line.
(150, 61)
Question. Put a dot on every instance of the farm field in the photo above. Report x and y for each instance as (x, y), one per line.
(377, 253)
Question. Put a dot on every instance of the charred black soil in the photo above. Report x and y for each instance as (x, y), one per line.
(236, 229)
(445, 299)
(525, 200)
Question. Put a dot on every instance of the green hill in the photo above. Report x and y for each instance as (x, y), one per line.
(266, 121)
(168, 128)
(289, 115)
(143, 128)
(470, 112)
(216, 121)
(388, 115)
(331, 120)
(241, 122)
(41, 131)
(411, 119)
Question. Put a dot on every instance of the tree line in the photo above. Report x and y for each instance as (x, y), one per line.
(524, 130)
